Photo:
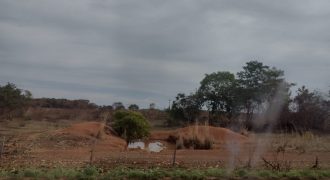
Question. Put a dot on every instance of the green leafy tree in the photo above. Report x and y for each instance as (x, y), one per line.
(130, 125)
(12, 98)
(313, 109)
(186, 108)
(257, 88)
(218, 93)
(258, 83)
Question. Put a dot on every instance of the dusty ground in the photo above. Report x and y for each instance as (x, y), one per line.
(46, 144)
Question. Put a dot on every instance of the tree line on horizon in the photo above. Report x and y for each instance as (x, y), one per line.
(237, 100)
(14, 101)
(229, 100)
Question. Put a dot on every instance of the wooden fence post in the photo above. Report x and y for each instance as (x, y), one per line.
(174, 154)
(2, 147)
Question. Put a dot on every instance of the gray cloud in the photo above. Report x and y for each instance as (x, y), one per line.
(149, 50)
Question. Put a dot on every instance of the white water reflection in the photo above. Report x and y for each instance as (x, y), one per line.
(155, 147)
(152, 147)
(136, 145)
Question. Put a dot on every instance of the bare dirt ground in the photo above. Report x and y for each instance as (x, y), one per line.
(69, 144)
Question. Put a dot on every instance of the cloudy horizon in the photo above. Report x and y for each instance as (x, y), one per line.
(147, 51)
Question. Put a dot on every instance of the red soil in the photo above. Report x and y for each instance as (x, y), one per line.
(91, 132)
(54, 149)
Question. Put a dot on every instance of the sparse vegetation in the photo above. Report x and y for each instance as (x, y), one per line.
(195, 143)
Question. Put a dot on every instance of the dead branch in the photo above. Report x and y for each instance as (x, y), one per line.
(271, 165)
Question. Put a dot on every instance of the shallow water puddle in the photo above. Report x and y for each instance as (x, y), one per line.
(136, 145)
(156, 147)
(152, 147)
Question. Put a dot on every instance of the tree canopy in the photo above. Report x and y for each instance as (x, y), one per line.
(13, 98)
(224, 94)
(257, 84)
(186, 107)
(218, 92)
(130, 125)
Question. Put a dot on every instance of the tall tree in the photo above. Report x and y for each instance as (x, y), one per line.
(312, 109)
(186, 107)
(258, 83)
(218, 93)
(12, 98)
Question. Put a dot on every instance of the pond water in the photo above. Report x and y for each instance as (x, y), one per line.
(156, 147)
(152, 147)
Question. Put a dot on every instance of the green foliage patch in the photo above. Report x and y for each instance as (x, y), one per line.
(91, 172)
(130, 125)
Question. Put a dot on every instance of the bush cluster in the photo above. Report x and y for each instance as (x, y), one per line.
(195, 143)
(130, 125)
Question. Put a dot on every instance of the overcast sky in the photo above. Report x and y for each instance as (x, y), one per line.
(144, 51)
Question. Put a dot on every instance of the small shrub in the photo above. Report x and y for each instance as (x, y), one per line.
(308, 173)
(156, 173)
(3, 173)
(179, 145)
(196, 143)
(308, 135)
(241, 173)
(136, 174)
(90, 171)
(264, 174)
(22, 124)
(32, 173)
(27, 118)
(215, 172)
(195, 174)
(118, 173)
(325, 173)
(172, 139)
(293, 174)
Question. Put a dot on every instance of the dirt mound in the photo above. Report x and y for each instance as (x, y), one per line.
(215, 134)
(162, 134)
(85, 129)
(86, 134)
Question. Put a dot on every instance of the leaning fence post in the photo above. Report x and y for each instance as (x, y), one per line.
(174, 153)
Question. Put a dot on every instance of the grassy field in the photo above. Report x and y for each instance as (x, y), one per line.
(92, 172)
